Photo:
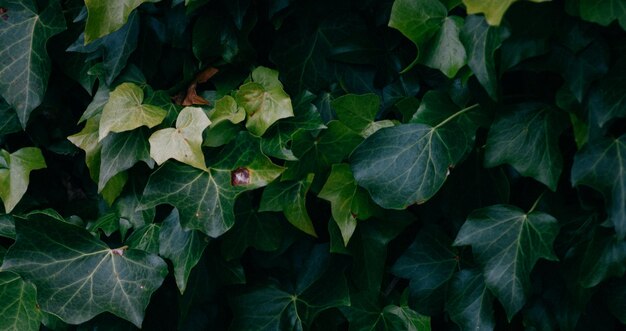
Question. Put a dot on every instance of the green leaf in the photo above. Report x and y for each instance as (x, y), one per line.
(603, 14)
(418, 20)
(527, 137)
(227, 109)
(471, 304)
(19, 301)
(205, 199)
(598, 259)
(184, 143)
(507, 242)
(445, 50)
(183, 248)
(146, 238)
(290, 197)
(607, 99)
(15, 169)
(602, 166)
(24, 62)
(367, 314)
(356, 111)
(317, 287)
(493, 9)
(120, 151)
(264, 100)
(481, 42)
(126, 205)
(78, 276)
(7, 226)
(9, 122)
(348, 201)
(106, 17)
(124, 111)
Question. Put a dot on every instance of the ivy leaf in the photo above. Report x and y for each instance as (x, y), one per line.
(367, 314)
(9, 122)
(7, 226)
(527, 137)
(290, 197)
(24, 32)
(15, 169)
(19, 299)
(318, 286)
(493, 9)
(595, 260)
(507, 242)
(125, 111)
(227, 109)
(106, 17)
(607, 99)
(602, 166)
(357, 111)
(444, 51)
(481, 42)
(145, 238)
(429, 263)
(348, 201)
(264, 100)
(205, 199)
(604, 14)
(183, 248)
(471, 304)
(184, 143)
(120, 151)
(100, 279)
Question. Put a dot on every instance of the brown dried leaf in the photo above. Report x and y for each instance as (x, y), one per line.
(191, 97)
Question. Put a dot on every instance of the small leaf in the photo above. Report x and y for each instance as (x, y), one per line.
(108, 16)
(9, 122)
(183, 248)
(191, 96)
(145, 238)
(264, 100)
(19, 301)
(493, 9)
(124, 111)
(607, 100)
(527, 137)
(507, 243)
(78, 276)
(120, 151)
(290, 198)
(24, 61)
(602, 166)
(184, 143)
(471, 304)
(445, 50)
(366, 313)
(357, 111)
(14, 173)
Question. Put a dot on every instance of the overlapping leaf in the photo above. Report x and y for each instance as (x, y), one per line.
(494, 10)
(120, 151)
(15, 169)
(471, 304)
(19, 301)
(290, 198)
(367, 314)
(108, 16)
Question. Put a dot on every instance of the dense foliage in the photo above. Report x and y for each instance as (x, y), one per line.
(312, 164)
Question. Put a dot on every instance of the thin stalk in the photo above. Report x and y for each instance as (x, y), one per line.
(459, 113)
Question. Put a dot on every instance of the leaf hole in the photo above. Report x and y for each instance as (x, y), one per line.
(3, 13)
(240, 176)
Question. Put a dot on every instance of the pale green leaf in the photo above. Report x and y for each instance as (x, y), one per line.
(445, 51)
(493, 9)
(124, 111)
(184, 143)
(15, 169)
(19, 304)
(105, 17)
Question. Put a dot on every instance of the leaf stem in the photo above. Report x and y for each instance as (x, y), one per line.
(536, 202)
(460, 112)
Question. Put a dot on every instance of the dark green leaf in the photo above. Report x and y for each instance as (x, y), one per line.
(19, 301)
(367, 314)
(493, 9)
(7, 226)
(606, 100)
(78, 276)
(604, 14)
(507, 242)
(598, 259)
(9, 122)
(470, 304)
(146, 238)
(24, 62)
(356, 111)
(120, 151)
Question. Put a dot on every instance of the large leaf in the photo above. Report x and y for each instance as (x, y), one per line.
(15, 169)
(471, 304)
(493, 9)
(507, 242)
(78, 276)
(348, 201)
(183, 248)
(124, 111)
(120, 151)
(290, 198)
(602, 166)
(24, 62)
(105, 17)
(527, 137)
(205, 199)
(183, 143)
(19, 302)
(264, 100)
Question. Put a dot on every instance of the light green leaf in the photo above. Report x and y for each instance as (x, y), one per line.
(19, 302)
(290, 197)
(481, 42)
(184, 143)
(356, 111)
(348, 201)
(183, 248)
(507, 242)
(470, 304)
(78, 276)
(445, 51)
(124, 111)
(227, 109)
(264, 100)
(493, 9)
(527, 137)
(602, 166)
(24, 62)
(205, 199)
(120, 151)
(108, 16)
(15, 169)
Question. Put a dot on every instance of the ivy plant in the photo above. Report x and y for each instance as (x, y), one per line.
(312, 165)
